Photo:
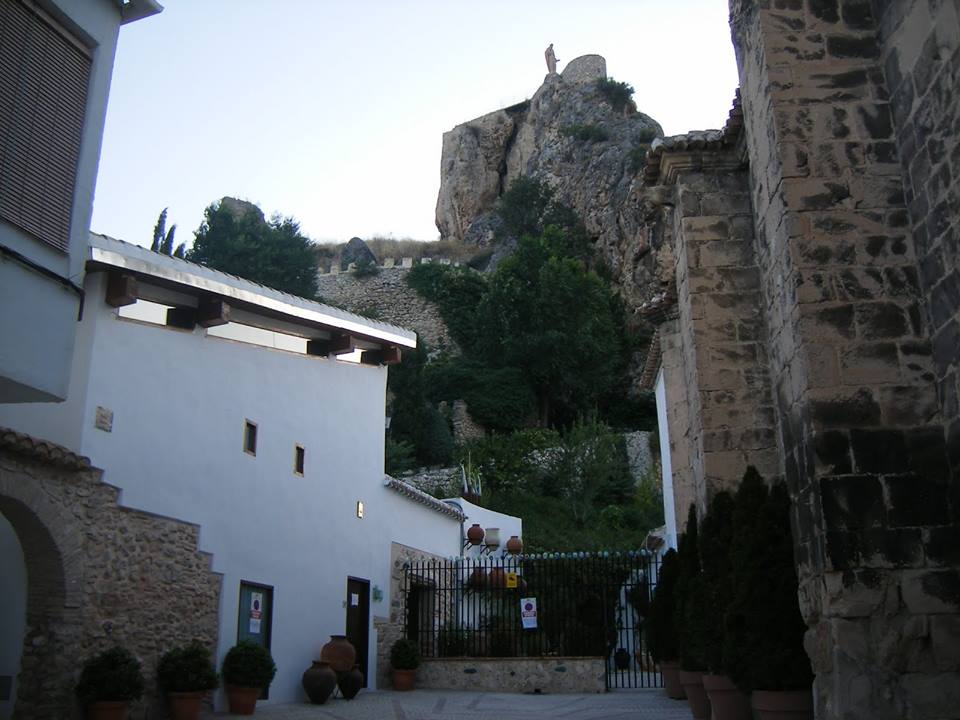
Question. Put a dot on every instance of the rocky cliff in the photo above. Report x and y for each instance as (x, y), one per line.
(580, 137)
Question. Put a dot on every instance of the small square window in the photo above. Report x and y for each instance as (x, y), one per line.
(250, 438)
(299, 456)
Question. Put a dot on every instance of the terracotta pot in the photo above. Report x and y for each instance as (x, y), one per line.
(621, 659)
(339, 652)
(784, 705)
(403, 679)
(350, 682)
(727, 701)
(478, 579)
(185, 705)
(242, 700)
(514, 545)
(108, 710)
(475, 534)
(498, 578)
(670, 669)
(693, 686)
(318, 681)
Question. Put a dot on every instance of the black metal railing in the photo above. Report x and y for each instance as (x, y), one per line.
(576, 605)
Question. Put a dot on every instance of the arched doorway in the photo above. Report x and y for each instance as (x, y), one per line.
(13, 619)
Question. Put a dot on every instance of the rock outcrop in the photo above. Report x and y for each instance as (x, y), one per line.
(571, 135)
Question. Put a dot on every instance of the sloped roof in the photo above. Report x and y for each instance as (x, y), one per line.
(419, 496)
(43, 450)
(105, 250)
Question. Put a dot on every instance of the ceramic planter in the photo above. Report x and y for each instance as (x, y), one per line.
(185, 705)
(350, 682)
(403, 679)
(318, 681)
(108, 710)
(340, 653)
(727, 701)
(783, 705)
(693, 686)
(242, 700)
(670, 669)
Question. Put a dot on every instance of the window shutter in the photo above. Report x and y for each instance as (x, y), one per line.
(44, 75)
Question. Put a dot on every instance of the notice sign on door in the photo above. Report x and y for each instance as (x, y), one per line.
(528, 613)
(256, 612)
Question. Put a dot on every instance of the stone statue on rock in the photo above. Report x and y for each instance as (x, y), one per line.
(551, 59)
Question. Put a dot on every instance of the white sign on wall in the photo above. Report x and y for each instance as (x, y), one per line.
(528, 613)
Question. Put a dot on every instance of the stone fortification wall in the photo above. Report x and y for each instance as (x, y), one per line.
(385, 295)
(99, 575)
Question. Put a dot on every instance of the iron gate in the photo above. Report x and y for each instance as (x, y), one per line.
(586, 604)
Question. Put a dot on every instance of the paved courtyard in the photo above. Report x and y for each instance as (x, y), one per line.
(458, 705)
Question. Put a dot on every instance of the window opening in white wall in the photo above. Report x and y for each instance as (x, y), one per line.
(299, 456)
(250, 437)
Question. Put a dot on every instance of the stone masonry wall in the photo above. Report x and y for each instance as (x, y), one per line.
(518, 675)
(859, 421)
(920, 52)
(99, 575)
(387, 297)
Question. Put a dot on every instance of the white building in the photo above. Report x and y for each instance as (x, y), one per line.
(57, 60)
(259, 417)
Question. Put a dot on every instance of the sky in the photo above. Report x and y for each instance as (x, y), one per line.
(333, 111)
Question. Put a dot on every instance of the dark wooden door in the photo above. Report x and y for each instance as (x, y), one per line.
(358, 620)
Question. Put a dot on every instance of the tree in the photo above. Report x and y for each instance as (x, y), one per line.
(554, 320)
(235, 238)
(163, 238)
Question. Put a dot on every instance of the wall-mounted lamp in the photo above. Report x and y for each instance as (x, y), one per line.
(359, 508)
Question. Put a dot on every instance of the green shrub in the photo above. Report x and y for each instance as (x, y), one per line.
(690, 597)
(660, 624)
(112, 675)
(365, 268)
(618, 94)
(405, 655)
(187, 669)
(456, 291)
(764, 630)
(585, 133)
(523, 204)
(248, 665)
(716, 536)
(398, 456)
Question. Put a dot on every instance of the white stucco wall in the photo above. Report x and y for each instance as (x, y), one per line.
(38, 316)
(179, 401)
(485, 518)
(666, 466)
(13, 619)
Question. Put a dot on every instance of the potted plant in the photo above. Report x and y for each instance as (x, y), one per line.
(108, 683)
(186, 674)
(660, 629)
(405, 659)
(763, 630)
(727, 701)
(247, 670)
(689, 618)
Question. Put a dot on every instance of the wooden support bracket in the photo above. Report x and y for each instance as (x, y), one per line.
(121, 290)
(389, 355)
(338, 344)
(212, 313)
(184, 318)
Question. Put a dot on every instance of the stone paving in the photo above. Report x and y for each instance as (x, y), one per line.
(456, 705)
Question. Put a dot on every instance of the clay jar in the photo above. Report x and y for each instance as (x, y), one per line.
(339, 653)
(350, 682)
(318, 681)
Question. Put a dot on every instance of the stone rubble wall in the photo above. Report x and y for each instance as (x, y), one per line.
(99, 575)
(387, 297)
(860, 423)
(513, 675)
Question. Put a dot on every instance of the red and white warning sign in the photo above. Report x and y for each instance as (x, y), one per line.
(528, 613)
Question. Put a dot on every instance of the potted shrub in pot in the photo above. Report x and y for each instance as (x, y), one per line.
(763, 630)
(247, 670)
(689, 618)
(659, 627)
(405, 659)
(108, 683)
(727, 701)
(186, 674)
